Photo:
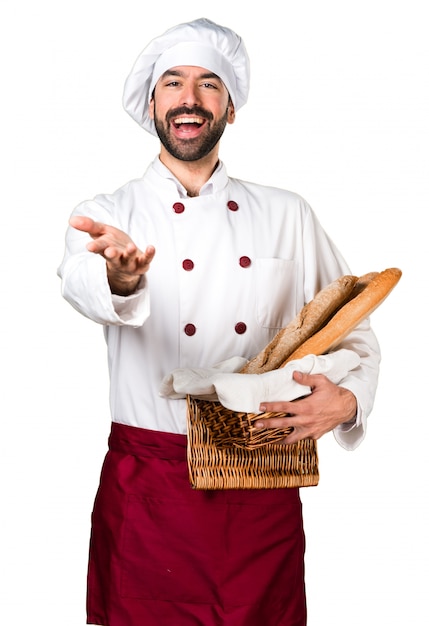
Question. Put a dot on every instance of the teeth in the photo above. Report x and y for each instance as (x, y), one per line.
(188, 120)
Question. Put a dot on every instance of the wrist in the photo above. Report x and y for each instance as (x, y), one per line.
(350, 404)
(123, 286)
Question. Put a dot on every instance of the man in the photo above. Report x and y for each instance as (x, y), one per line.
(187, 267)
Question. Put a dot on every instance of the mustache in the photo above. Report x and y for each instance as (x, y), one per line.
(196, 110)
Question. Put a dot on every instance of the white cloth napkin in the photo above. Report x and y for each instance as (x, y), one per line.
(245, 392)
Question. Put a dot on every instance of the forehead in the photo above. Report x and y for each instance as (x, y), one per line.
(190, 71)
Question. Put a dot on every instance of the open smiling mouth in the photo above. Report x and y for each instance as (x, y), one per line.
(185, 123)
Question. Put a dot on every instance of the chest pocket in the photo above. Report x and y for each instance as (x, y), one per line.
(276, 299)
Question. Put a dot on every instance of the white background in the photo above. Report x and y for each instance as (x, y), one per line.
(338, 112)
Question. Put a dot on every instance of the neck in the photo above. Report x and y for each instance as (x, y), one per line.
(192, 174)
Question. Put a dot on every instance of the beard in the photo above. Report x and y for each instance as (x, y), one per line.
(195, 148)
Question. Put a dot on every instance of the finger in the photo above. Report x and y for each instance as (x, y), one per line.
(130, 250)
(276, 407)
(308, 380)
(146, 258)
(112, 253)
(87, 225)
(273, 422)
(103, 247)
(150, 253)
(294, 437)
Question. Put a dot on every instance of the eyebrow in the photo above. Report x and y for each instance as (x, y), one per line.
(180, 74)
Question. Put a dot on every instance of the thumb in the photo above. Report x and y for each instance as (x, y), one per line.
(87, 225)
(298, 376)
(304, 379)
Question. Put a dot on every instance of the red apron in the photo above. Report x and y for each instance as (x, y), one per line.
(163, 554)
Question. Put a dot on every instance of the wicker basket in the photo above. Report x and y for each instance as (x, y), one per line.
(231, 428)
(225, 451)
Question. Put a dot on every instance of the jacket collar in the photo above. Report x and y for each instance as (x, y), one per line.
(165, 177)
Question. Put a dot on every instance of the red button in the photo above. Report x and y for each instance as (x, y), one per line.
(190, 330)
(188, 265)
(240, 328)
(178, 207)
(245, 261)
(232, 206)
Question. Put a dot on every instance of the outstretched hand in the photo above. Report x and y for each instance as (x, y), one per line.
(327, 406)
(125, 263)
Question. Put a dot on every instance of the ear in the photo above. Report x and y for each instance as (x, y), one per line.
(152, 108)
(231, 112)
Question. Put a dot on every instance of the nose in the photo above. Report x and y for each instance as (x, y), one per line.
(189, 95)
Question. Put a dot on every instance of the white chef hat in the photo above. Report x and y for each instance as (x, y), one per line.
(201, 43)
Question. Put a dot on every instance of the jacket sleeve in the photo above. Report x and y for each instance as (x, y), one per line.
(362, 382)
(84, 281)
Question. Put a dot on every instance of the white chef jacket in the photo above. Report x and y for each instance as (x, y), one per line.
(232, 267)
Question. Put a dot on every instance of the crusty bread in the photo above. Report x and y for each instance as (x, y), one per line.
(308, 321)
(361, 283)
(372, 290)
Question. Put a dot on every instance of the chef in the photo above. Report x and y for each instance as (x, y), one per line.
(186, 267)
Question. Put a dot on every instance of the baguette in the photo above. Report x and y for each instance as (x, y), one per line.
(308, 321)
(361, 283)
(372, 292)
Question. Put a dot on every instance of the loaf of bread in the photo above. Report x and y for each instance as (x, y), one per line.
(370, 291)
(308, 321)
(361, 283)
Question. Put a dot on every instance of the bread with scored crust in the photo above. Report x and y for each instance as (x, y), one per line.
(308, 321)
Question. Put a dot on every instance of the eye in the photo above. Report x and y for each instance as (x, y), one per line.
(209, 85)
